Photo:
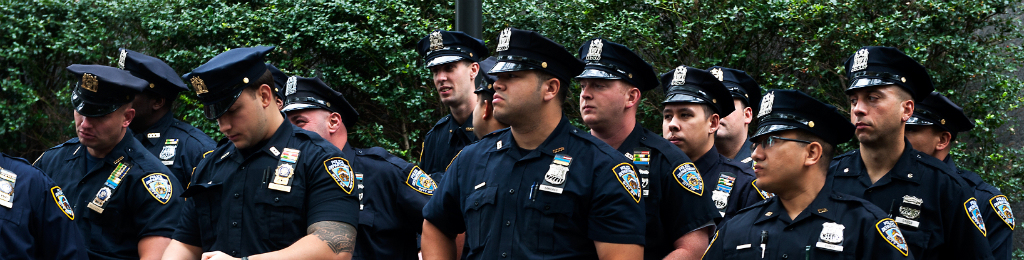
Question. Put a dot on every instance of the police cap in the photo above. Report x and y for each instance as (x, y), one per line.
(279, 79)
(309, 93)
(740, 85)
(487, 85)
(937, 110)
(520, 50)
(102, 89)
(441, 47)
(878, 66)
(692, 85)
(220, 81)
(162, 78)
(609, 60)
(796, 110)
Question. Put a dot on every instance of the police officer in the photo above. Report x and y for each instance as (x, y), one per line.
(694, 102)
(483, 115)
(452, 59)
(932, 130)
(794, 142)
(541, 188)
(125, 200)
(40, 221)
(933, 206)
(731, 137)
(272, 191)
(179, 145)
(680, 215)
(391, 191)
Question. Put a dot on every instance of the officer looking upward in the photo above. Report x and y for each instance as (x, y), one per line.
(731, 137)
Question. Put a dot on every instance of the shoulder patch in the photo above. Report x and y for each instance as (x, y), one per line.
(974, 213)
(1002, 207)
(62, 202)
(891, 233)
(420, 181)
(159, 186)
(627, 177)
(341, 172)
(764, 194)
(688, 176)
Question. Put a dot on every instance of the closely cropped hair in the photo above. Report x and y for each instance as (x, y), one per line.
(267, 78)
(827, 150)
(563, 87)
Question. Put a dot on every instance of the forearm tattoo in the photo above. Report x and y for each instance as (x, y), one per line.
(339, 236)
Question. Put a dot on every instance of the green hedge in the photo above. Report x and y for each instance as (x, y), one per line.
(365, 49)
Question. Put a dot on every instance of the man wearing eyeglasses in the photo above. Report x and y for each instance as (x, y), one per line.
(934, 207)
(806, 219)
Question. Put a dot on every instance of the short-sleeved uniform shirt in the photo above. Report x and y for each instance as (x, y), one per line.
(835, 226)
(443, 142)
(734, 186)
(677, 200)
(139, 195)
(995, 209)
(263, 201)
(391, 194)
(549, 203)
(934, 207)
(36, 219)
(178, 145)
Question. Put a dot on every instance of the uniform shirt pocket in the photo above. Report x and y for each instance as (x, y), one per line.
(282, 216)
(541, 216)
(476, 211)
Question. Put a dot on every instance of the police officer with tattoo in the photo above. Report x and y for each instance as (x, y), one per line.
(731, 137)
(933, 206)
(39, 218)
(179, 145)
(796, 136)
(695, 100)
(541, 188)
(932, 130)
(124, 199)
(273, 191)
(391, 191)
(680, 213)
(452, 59)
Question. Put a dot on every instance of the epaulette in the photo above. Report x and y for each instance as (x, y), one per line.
(66, 143)
(222, 141)
(496, 132)
(442, 121)
(755, 205)
(856, 203)
(383, 154)
(585, 136)
(841, 156)
(930, 161)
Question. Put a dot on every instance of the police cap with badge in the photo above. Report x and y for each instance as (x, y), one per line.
(279, 80)
(937, 110)
(609, 60)
(740, 85)
(102, 89)
(442, 47)
(220, 81)
(486, 86)
(686, 84)
(521, 50)
(162, 78)
(796, 110)
(879, 66)
(307, 93)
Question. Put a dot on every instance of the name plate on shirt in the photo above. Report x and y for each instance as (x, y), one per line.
(558, 171)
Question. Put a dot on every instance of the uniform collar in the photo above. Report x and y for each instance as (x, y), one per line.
(277, 143)
(120, 150)
(159, 127)
(555, 142)
(744, 152)
(903, 170)
(709, 159)
(633, 140)
(823, 206)
(349, 152)
(950, 162)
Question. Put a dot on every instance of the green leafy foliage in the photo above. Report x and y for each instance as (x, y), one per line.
(365, 49)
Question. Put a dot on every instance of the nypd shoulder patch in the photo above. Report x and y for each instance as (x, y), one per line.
(62, 202)
(1002, 207)
(974, 212)
(688, 176)
(341, 172)
(159, 186)
(420, 181)
(627, 177)
(891, 233)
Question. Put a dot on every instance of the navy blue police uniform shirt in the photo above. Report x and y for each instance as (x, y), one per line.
(834, 225)
(995, 210)
(443, 142)
(676, 198)
(743, 156)
(36, 219)
(141, 195)
(733, 183)
(391, 194)
(246, 204)
(500, 196)
(178, 145)
(934, 208)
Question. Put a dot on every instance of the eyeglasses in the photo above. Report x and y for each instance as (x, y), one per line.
(769, 141)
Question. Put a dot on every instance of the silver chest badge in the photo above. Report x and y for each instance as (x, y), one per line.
(596, 47)
(554, 179)
(910, 210)
(679, 76)
(831, 237)
(860, 60)
(503, 39)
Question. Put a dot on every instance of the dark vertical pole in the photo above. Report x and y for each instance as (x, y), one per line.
(469, 17)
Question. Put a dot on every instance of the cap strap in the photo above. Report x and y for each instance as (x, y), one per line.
(293, 100)
(785, 116)
(522, 59)
(609, 66)
(877, 74)
(451, 48)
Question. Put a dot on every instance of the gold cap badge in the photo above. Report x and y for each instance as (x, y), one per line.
(198, 84)
(89, 82)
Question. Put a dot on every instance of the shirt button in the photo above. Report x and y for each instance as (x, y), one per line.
(512, 191)
(243, 168)
(785, 256)
(233, 252)
(476, 203)
(504, 255)
(234, 224)
(508, 223)
(277, 199)
(237, 195)
(547, 207)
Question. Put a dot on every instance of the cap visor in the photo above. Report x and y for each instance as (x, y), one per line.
(94, 110)
(867, 82)
(214, 110)
(683, 98)
(916, 120)
(298, 106)
(443, 60)
(593, 73)
(507, 66)
(770, 128)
